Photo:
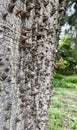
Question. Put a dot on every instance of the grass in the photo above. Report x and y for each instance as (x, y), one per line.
(63, 108)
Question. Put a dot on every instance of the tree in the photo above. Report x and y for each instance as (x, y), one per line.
(72, 21)
(28, 41)
(67, 51)
(66, 57)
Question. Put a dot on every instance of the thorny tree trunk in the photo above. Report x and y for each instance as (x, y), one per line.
(28, 41)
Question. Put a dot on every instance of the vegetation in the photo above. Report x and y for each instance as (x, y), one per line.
(67, 56)
(63, 108)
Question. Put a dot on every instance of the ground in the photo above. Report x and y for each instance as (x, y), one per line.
(63, 108)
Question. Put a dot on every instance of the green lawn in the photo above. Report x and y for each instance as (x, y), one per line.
(63, 108)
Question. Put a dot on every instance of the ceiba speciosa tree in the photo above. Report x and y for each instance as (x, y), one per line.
(29, 33)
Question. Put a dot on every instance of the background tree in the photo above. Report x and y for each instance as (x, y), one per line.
(66, 57)
(67, 60)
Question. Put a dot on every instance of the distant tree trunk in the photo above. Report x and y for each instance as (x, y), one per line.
(28, 41)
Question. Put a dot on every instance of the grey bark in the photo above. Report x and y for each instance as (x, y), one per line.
(28, 41)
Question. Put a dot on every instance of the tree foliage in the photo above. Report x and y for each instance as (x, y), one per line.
(66, 57)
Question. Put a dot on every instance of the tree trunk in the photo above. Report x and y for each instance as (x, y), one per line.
(28, 41)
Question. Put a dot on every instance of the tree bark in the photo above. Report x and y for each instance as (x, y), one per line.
(28, 46)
